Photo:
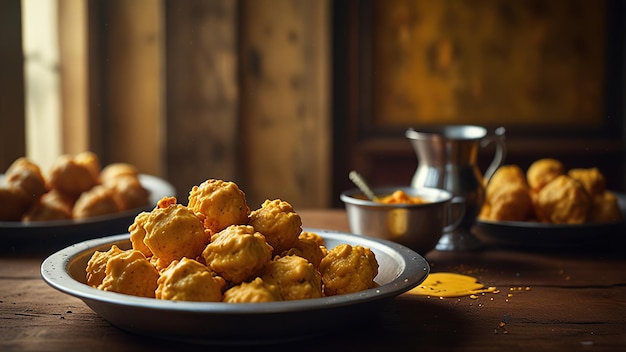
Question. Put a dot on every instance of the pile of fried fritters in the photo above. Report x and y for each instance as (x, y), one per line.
(548, 193)
(215, 249)
(75, 188)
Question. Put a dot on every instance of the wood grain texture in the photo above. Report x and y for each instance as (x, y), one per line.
(133, 83)
(202, 92)
(74, 81)
(12, 113)
(285, 144)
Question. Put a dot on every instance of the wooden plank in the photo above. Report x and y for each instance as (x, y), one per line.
(73, 56)
(285, 108)
(202, 92)
(12, 115)
(543, 319)
(42, 82)
(133, 83)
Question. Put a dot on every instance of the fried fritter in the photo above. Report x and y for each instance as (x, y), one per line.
(507, 196)
(221, 203)
(542, 171)
(128, 191)
(138, 233)
(173, 231)
(237, 253)
(90, 161)
(347, 269)
(13, 203)
(592, 179)
(27, 176)
(295, 277)
(308, 249)
(53, 205)
(129, 272)
(71, 177)
(509, 202)
(189, 280)
(505, 175)
(254, 291)
(96, 267)
(604, 208)
(563, 201)
(114, 170)
(313, 237)
(279, 223)
(98, 200)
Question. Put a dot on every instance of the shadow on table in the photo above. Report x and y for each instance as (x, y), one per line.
(409, 322)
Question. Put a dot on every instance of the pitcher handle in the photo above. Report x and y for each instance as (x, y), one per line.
(500, 154)
(454, 222)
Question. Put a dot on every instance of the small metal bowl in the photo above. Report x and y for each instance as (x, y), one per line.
(417, 226)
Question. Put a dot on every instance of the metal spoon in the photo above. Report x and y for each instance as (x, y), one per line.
(362, 185)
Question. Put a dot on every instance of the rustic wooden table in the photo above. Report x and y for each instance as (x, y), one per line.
(570, 300)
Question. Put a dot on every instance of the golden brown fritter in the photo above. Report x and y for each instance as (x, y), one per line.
(313, 237)
(50, 206)
(542, 171)
(505, 175)
(563, 201)
(138, 233)
(255, 291)
(509, 202)
(114, 170)
(308, 249)
(128, 191)
(90, 161)
(188, 280)
(279, 223)
(221, 203)
(13, 203)
(71, 177)
(173, 231)
(96, 267)
(604, 208)
(98, 200)
(130, 273)
(237, 253)
(347, 269)
(592, 179)
(27, 176)
(295, 277)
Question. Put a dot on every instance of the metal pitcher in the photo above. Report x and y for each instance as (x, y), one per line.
(447, 159)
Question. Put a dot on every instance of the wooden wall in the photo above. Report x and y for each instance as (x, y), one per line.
(267, 93)
(12, 124)
(372, 134)
(191, 90)
(202, 92)
(248, 97)
(285, 116)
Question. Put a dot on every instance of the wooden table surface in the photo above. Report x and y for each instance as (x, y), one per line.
(572, 299)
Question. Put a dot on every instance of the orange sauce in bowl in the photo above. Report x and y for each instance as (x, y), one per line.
(401, 197)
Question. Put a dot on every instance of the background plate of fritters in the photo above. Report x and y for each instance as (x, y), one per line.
(36, 236)
(536, 234)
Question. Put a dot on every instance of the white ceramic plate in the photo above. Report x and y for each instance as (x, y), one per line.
(534, 234)
(400, 269)
(53, 235)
